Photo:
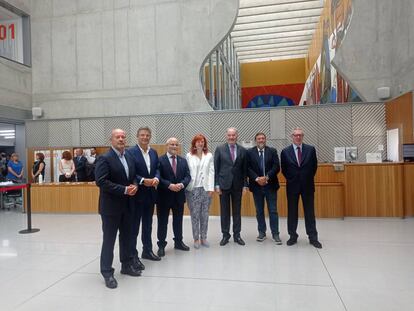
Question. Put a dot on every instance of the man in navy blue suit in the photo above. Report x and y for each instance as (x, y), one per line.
(299, 165)
(115, 175)
(80, 165)
(174, 178)
(147, 174)
(262, 169)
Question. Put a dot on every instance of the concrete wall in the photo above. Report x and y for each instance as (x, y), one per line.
(15, 82)
(378, 49)
(96, 58)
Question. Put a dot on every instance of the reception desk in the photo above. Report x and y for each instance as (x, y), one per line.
(356, 190)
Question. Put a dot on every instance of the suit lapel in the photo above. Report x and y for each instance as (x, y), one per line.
(119, 163)
(305, 153)
(293, 155)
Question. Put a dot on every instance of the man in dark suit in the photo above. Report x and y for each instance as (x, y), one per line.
(147, 174)
(80, 165)
(174, 178)
(299, 165)
(115, 175)
(262, 169)
(230, 167)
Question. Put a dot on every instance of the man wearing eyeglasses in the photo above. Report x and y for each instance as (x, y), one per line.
(299, 165)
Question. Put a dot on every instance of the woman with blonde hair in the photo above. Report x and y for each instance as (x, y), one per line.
(200, 189)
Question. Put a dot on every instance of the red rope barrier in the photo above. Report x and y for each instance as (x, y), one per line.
(4, 189)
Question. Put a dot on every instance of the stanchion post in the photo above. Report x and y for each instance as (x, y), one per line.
(29, 214)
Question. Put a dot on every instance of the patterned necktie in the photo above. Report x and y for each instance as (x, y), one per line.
(261, 162)
(232, 152)
(174, 165)
(299, 155)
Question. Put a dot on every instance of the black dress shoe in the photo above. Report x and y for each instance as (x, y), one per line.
(138, 265)
(150, 256)
(224, 241)
(161, 252)
(239, 241)
(130, 270)
(111, 282)
(181, 246)
(315, 243)
(291, 241)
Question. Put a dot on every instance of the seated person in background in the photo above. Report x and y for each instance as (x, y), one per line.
(39, 167)
(80, 164)
(66, 168)
(15, 168)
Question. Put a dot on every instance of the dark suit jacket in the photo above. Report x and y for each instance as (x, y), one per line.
(80, 167)
(227, 173)
(272, 168)
(299, 179)
(167, 177)
(148, 194)
(112, 180)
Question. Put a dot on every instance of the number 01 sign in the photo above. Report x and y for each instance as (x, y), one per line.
(7, 32)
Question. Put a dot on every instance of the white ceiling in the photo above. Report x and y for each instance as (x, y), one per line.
(275, 29)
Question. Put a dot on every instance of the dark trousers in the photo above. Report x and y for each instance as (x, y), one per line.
(110, 226)
(309, 213)
(259, 196)
(142, 212)
(234, 196)
(163, 212)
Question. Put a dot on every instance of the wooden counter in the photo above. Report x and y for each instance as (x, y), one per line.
(360, 190)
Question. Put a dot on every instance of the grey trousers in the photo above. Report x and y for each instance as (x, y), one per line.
(199, 203)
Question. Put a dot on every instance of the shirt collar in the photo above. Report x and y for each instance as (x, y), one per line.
(142, 150)
(169, 155)
(296, 146)
(117, 152)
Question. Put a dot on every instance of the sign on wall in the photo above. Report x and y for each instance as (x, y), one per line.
(11, 36)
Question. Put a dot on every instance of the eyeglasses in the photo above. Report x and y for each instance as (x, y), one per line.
(297, 135)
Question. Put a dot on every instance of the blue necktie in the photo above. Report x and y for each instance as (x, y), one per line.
(261, 162)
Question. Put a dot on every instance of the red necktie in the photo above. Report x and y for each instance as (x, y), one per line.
(299, 155)
(174, 165)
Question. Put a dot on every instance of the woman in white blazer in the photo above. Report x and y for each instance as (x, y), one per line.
(200, 189)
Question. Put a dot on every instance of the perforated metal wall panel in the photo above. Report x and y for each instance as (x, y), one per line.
(143, 121)
(37, 134)
(334, 130)
(169, 126)
(60, 133)
(368, 120)
(305, 118)
(277, 123)
(326, 127)
(195, 124)
(92, 133)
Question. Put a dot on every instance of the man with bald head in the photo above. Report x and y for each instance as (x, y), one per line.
(230, 169)
(115, 175)
(174, 178)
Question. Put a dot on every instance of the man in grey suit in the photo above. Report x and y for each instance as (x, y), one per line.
(230, 168)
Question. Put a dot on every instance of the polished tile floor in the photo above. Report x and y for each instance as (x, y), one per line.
(365, 264)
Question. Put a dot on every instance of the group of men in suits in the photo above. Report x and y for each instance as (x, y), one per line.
(119, 174)
(260, 164)
(132, 181)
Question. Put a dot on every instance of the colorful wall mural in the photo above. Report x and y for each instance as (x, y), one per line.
(324, 84)
(273, 83)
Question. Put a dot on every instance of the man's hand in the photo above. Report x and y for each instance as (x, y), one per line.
(262, 181)
(131, 190)
(174, 187)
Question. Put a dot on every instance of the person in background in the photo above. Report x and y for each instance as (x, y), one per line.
(90, 165)
(66, 168)
(200, 189)
(3, 166)
(15, 168)
(174, 178)
(80, 165)
(39, 167)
